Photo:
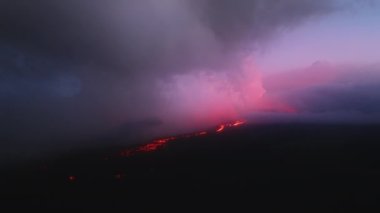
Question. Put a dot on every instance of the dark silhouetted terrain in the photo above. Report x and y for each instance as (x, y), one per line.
(250, 167)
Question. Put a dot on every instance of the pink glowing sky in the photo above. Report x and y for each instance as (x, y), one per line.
(141, 69)
(319, 53)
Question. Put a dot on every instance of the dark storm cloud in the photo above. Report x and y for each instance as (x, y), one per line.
(138, 35)
(79, 67)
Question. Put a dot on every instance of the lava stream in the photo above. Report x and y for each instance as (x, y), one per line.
(162, 142)
(220, 128)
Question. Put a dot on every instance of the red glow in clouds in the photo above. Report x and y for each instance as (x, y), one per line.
(162, 142)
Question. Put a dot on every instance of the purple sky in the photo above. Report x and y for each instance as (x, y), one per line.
(345, 37)
(72, 71)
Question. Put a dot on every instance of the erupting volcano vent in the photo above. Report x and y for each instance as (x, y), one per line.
(162, 142)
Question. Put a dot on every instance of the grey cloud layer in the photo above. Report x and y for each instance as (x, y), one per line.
(140, 35)
(77, 67)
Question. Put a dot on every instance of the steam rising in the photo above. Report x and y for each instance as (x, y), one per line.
(75, 70)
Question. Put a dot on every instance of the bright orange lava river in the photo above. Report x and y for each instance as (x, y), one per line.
(162, 142)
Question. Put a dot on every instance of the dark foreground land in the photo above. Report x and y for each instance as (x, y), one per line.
(251, 167)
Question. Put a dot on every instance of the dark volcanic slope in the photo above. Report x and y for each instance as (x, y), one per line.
(270, 166)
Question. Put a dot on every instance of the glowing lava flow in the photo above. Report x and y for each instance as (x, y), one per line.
(162, 142)
(238, 123)
(220, 128)
(201, 133)
(150, 147)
